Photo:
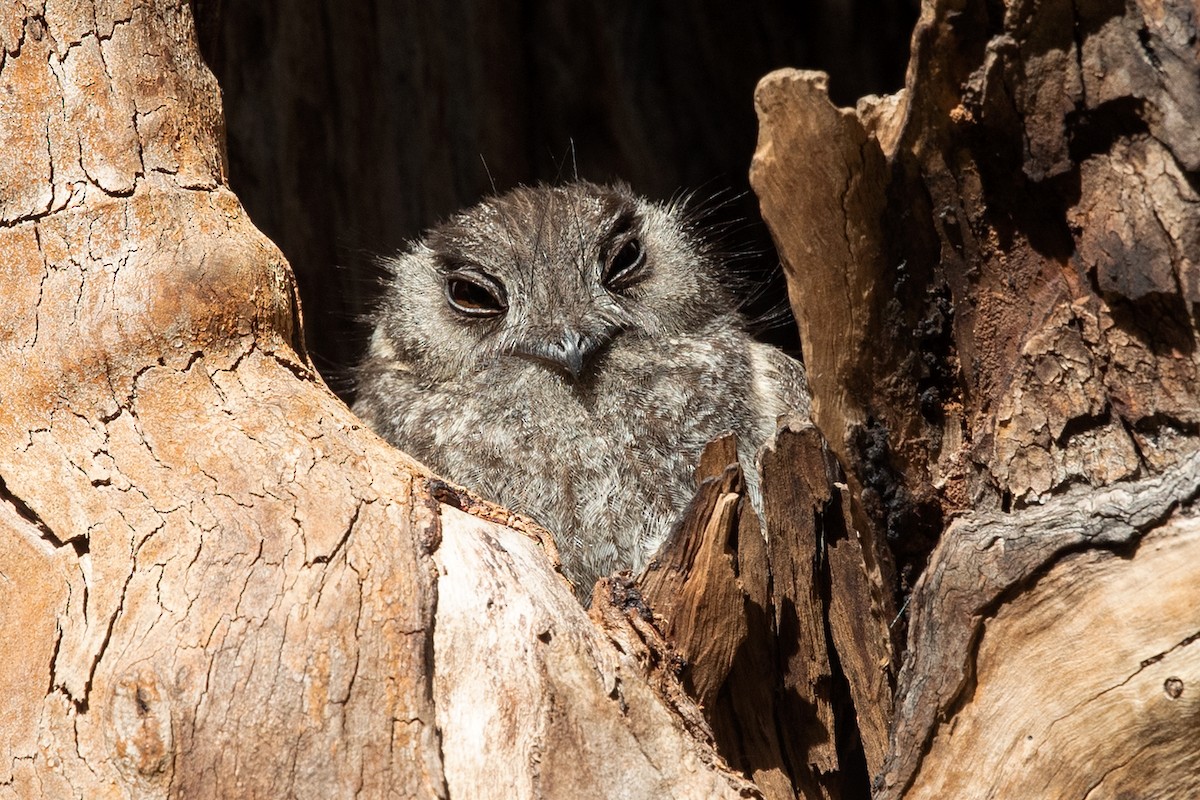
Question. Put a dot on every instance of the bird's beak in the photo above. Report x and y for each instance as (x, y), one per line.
(570, 354)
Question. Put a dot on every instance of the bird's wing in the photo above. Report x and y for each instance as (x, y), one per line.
(780, 382)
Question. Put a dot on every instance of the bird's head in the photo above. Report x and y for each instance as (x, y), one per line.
(548, 277)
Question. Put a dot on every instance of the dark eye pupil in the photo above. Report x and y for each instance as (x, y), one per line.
(472, 298)
(625, 262)
(470, 295)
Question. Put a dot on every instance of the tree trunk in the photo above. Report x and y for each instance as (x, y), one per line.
(994, 277)
(237, 590)
(216, 582)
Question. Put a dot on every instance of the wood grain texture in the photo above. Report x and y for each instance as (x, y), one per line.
(987, 561)
(1017, 229)
(214, 581)
(1118, 634)
(533, 700)
(205, 512)
(692, 584)
(776, 622)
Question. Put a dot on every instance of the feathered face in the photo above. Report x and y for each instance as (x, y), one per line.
(549, 277)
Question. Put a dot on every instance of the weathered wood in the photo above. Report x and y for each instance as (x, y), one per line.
(987, 560)
(745, 722)
(692, 583)
(821, 180)
(795, 491)
(1065, 218)
(533, 700)
(1118, 717)
(816, 165)
(858, 626)
(214, 582)
(729, 661)
(994, 274)
(749, 613)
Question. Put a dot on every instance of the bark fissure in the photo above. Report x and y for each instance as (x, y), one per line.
(26, 513)
(993, 280)
(929, 691)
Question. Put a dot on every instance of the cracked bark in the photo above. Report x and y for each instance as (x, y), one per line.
(994, 275)
(259, 597)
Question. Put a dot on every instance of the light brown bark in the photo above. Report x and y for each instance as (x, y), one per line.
(214, 582)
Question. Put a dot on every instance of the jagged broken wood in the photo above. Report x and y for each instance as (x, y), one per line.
(1003, 355)
(759, 614)
(214, 582)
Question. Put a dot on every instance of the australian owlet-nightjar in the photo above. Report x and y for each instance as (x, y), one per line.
(568, 351)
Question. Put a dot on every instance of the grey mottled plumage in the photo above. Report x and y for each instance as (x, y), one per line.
(568, 351)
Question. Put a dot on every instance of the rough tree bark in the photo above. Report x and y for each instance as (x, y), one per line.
(994, 276)
(216, 583)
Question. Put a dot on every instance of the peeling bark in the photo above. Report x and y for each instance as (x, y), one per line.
(973, 576)
(993, 276)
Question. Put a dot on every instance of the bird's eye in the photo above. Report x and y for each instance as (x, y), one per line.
(624, 264)
(475, 295)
